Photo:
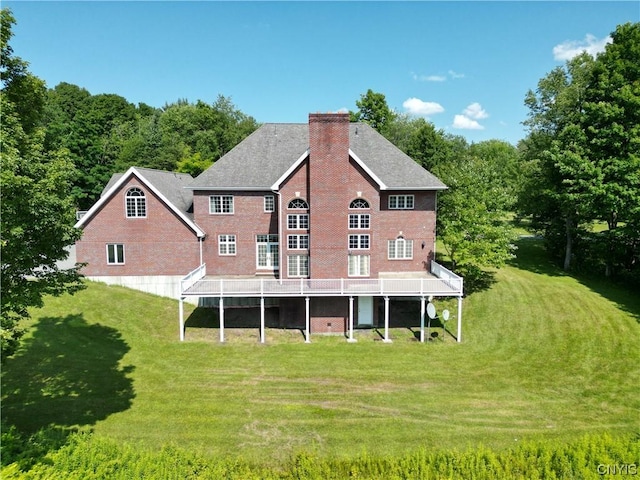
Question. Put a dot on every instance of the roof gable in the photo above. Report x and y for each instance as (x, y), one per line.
(169, 187)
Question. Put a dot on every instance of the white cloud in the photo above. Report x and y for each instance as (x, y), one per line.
(436, 78)
(469, 118)
(571, 48)
(428, 78)
(475, 111)
(415, 106)
(343, 110)
(466, 123)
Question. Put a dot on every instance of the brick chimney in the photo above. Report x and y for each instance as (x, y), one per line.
(329, 194)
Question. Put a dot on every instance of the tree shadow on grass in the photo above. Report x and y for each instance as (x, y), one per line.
(533, 257)
(66, 375)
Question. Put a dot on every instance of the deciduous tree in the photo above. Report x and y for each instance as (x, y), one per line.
(37, 211)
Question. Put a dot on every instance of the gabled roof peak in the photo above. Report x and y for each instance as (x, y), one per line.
(167, 186)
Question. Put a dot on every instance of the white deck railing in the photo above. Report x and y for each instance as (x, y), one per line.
(192, 277)
(453, 280)
(195, 283)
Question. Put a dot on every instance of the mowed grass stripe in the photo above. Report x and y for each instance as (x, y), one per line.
(544, 355)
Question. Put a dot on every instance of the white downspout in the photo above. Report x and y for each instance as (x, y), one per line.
(280, 273)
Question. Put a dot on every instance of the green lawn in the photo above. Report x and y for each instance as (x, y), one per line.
(544, 355)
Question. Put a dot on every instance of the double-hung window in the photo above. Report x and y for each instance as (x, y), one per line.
(359, 265)
(115, 254)
(298, 242)
(221, 204)
(298, 265)
(269, 203)
(401, 202)
(298, 221)
(226, 245)
(358, 242)
(400, 249)
(359, 221)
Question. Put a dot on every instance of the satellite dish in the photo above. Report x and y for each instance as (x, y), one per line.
(445, 315)
(431, 311)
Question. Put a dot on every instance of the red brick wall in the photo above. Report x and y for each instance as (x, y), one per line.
(418, 225)
(329, 192)
(296, 186)
(326, 314)
(160, 244)
(248, 220)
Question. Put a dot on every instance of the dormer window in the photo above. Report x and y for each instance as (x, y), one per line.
(136, 203)
(298, 204)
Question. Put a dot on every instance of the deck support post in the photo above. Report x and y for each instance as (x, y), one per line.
(221, 315)
(386, 321)
(422, 310)
(181, 315)
(261, 319)
(351, 339)
(307, 320)
(459, 335)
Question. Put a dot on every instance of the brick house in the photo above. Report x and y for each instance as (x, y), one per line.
(140, 233)
(327, 220)
(322, 216)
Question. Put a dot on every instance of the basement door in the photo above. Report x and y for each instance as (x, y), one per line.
(365, 311)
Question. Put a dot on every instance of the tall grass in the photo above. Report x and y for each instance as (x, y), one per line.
(87, 457)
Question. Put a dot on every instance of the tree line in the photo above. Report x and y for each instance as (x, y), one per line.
(575, 177)
(105, 134)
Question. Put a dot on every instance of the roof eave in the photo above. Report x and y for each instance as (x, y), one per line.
(426, 189)
(265, 188)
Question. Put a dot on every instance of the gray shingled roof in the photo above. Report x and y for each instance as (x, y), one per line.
(263, 157)
(170, 184)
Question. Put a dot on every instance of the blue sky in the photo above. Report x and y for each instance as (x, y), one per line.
(465, 66)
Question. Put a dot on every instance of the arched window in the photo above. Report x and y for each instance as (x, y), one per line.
(400, 249)
(359, 203)
(298, 204)
(136, 203)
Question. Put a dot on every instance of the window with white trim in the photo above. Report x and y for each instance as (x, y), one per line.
(298, 265)
(298, 222)
(359, 265)
(226, 245)
(269, 203)
(136, 203)
(267, 252)
(359, 203)
(298, 204)
(115, 254)
(401, 202)
(221, 204)
(359, 221)
(400, 249)
(359, 242)
(298, 242)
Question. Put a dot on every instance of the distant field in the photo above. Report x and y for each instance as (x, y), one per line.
(543, 356)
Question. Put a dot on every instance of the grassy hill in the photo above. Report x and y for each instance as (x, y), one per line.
(544, 356)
